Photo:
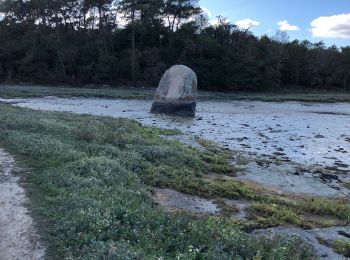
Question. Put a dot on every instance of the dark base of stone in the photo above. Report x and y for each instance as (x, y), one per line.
(176, 109)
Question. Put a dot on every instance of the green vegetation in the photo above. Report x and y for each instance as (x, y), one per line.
(342, 247)
(218, 162)
(81, 42)
(26, 91)
(338, 208)
(94, 175)
(347, 185)
(274, 215)
(219, 159)
(33, 91)
(320, 96)
(226, 209)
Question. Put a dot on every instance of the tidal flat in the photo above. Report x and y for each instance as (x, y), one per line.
(293, 146)
(239, 165)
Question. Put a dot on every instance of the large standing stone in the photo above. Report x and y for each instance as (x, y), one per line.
(177, 92)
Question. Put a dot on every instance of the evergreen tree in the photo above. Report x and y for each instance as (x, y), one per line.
(106, 41)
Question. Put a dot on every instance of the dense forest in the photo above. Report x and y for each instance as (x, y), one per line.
(135, 41)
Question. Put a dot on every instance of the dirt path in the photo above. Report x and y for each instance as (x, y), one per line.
(18, 237)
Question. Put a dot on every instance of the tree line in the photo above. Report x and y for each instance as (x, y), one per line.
(135, 41)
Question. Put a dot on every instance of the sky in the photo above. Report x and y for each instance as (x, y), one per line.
(314, 20)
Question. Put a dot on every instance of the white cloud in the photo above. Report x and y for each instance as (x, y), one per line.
(216, 22)
(206, 12)
(247, 23)
(336, 26)
(285, 26)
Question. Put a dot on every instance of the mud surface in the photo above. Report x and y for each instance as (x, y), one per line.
(289, 177)
(293, 147)
(318, 238)
(18, 236)
(174, 201)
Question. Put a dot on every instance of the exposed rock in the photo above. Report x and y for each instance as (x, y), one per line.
(177, 92)
(319, 239)
(173, 200)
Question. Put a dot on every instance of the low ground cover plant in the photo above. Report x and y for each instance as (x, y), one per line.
(92, 180)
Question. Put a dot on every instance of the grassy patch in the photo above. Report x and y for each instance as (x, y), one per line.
(26, 91)
(218, 158)
(218, 162)
(34, 91)
(269, 214)
(94, 175)
(226, 209)
(320, 206)
(302, 96)
(347, 185)
(342, 247)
